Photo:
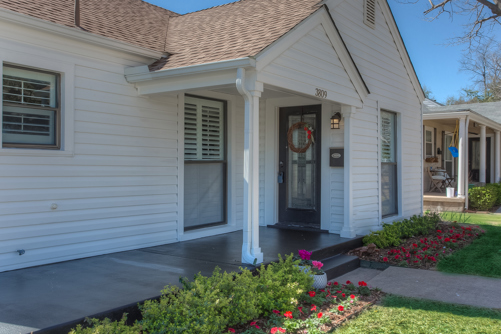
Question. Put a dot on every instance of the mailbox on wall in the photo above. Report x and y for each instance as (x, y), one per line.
(336, 157)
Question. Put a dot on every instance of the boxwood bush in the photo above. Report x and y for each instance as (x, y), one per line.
(212, 304)
(392, 234)
(484, 198)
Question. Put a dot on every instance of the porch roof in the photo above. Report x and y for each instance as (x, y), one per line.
(485, 113)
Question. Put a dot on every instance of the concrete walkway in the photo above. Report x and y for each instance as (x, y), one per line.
(426, 284)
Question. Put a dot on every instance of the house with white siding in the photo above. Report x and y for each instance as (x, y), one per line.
(125, 125)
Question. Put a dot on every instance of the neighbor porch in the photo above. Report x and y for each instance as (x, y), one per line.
(40, 297)
(477, 162)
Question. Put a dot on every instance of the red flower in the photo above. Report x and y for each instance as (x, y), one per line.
(336, 283)
(300, 309)
(454, 241)
(340, 308)
(309, 136)
(329, 283)
(309, 132)
(396, 257)
(313, 307)
(348, 282)
(258, 327)
(231, 330)
(288, 314)
(447, 239)
(320, 315)
(352, 296)
(281, 330)
(415, 245)
(438, 231)
(253, 323)
(312, 293)
(439, 237)
(339, 291)
(344, 295)
(274, 330)
(385, 259)
(305, 128)
(276, 311)
(322, 290)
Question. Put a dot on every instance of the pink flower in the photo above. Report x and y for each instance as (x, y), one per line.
(304, 254)
(385, 259)
(253, 323)
(231, 330)
(317, 264)
(276, 311)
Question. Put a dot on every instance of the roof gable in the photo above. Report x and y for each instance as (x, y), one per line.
(235, 30)
(330, 64)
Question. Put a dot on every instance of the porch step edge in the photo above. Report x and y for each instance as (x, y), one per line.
(337, 249)
(339, 265)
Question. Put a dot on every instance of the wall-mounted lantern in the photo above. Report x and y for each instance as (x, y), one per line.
(335, 120)
(439, 151)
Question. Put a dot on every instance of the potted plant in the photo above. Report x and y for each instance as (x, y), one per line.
(320, 277)
(304, 260)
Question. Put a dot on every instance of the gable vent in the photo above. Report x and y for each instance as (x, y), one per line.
(370, 13)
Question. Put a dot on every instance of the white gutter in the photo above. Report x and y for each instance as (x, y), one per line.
(142, 73)
(77, 34)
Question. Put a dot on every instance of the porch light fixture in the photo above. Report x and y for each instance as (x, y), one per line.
(335, 119)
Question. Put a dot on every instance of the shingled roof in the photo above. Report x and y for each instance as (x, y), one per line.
(132, 21)
(231, 31)
(235, 30)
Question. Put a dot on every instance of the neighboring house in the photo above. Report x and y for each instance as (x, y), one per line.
(478, 129)
(126, 125)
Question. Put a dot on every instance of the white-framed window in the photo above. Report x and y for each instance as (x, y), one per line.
(429, 142)
(389, 165)
(31, 108)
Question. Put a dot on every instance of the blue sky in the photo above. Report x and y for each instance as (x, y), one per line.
(436, 64)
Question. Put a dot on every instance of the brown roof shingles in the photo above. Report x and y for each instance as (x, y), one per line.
(131, 21)
(235, 30)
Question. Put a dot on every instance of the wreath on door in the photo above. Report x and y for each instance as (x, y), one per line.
(309, 131)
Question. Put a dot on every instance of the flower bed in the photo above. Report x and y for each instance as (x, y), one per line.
(318, 311)
(425, 251)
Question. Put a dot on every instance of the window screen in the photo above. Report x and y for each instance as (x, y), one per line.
(30, 107)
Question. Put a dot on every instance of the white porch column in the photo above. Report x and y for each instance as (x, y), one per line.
(483, 148)
(463, 136)
(348, 230)
(497, 158)
(251, 91)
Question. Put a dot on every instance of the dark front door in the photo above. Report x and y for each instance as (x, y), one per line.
(474, 159)
(299, 172)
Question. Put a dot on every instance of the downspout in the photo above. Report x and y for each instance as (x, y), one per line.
(422, 158)
(466, 144)
(247, 256)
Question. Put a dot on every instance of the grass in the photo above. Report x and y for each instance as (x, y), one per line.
(408, 316)
(483, 256)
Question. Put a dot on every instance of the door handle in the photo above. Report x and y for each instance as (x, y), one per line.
(280, 178)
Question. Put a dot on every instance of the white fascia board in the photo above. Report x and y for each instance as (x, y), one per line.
(446, 115)
(390, 20)
(485, 121)
(142, 73)
(320, 17)
(76, 34)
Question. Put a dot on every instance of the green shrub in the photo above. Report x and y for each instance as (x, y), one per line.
(280, 285)
(211, 304)
(392, 234)
(483, 198)
(496, 187)
(107, 327)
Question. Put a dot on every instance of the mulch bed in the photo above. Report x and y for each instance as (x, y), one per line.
(423, 252)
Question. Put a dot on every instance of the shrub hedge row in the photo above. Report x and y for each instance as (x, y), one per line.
(392, 234)
(486, 197)
(212, 304)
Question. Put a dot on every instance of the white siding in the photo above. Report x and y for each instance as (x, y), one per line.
(119, 189)
(336, 140)
(378, 60)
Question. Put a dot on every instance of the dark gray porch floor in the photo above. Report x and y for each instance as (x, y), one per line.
(44, 296)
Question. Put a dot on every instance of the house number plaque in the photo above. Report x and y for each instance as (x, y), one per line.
(320, 93)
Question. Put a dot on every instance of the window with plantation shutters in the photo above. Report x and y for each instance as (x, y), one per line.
(204, 130)
(205, 163)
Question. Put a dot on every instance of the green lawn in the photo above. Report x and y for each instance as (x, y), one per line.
(408, 316)
(483, 256)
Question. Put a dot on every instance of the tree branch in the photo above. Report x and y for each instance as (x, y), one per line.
(495, 8)
(440, 5)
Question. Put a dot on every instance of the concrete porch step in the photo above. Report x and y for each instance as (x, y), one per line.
(339, 265)
(336, 249)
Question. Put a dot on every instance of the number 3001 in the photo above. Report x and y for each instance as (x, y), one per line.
(320, 93)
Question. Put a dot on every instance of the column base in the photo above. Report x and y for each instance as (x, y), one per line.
(348, 233)
(253, 257)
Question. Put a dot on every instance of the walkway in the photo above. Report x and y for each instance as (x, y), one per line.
(426, 284)
(40, 297)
